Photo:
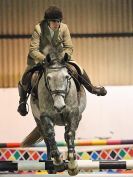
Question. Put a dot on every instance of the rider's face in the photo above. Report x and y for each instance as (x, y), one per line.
(54, 24)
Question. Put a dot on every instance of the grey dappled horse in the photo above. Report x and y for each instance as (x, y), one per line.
(58, 103)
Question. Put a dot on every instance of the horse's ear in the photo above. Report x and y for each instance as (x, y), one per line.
(66, 58)
(48, 59)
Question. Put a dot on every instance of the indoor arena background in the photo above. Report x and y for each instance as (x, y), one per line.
(102, 35)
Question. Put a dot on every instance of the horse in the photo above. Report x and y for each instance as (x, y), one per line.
(57, 103)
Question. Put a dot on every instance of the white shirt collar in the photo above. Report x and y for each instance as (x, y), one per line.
(51, 32)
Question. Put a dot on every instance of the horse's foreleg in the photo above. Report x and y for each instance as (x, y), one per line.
(41, 130)
(49, 136)
(69, 138)
(70, 130)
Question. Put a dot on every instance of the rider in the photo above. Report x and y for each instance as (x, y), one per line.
(50, 32)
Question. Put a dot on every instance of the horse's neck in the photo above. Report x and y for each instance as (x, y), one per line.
(42, 87)
(45, 100)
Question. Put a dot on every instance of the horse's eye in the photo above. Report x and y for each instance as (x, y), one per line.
(48, 77)
(67, 77)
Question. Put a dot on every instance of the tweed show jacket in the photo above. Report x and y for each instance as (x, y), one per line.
(41, 41)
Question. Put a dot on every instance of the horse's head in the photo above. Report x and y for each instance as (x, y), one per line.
(57, 80)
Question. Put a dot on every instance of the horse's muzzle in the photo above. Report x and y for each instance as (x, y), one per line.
(59, 103)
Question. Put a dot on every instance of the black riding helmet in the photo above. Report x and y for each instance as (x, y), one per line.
(53, 13)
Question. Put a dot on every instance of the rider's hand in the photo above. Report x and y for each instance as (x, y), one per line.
(41, 63)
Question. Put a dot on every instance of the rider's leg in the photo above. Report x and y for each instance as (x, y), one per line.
(23, 99)
(24, 87)
(84, 79)
(99, 91)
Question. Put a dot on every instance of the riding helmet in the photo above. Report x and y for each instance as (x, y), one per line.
(53, 13)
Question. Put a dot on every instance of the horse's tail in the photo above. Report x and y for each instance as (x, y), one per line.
(32, 138)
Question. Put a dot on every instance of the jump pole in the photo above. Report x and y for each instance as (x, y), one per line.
(64, 175)
(49, 165)
(77, 143)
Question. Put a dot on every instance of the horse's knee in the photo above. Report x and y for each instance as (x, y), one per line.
(69, 138)
(47, 126)
(46, 121)
(69, 134)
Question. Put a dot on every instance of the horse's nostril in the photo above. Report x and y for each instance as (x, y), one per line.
(59, 109)
(63, 107)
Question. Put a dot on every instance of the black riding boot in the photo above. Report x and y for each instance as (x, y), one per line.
(99, 91)
(23, 101)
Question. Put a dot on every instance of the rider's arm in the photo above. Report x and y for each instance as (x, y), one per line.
(34, 45)
(67, 42)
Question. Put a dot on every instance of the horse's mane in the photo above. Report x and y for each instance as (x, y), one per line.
(56, 53)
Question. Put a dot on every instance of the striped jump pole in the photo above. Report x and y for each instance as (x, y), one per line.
(49, 165)
(65, 175)
(77, 143)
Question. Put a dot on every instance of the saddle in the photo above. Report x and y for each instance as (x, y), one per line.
(35, 80)
(31, 78)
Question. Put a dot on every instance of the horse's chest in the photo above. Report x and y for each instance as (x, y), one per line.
(58, 118)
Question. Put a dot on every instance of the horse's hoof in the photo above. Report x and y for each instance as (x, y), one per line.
(73, 172)
(72, 164)
(73, 168)
(51, 171)
(58, 160)
(60, 167)
(71, 156)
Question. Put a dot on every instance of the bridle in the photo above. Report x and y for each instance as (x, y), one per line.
(57, 92)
